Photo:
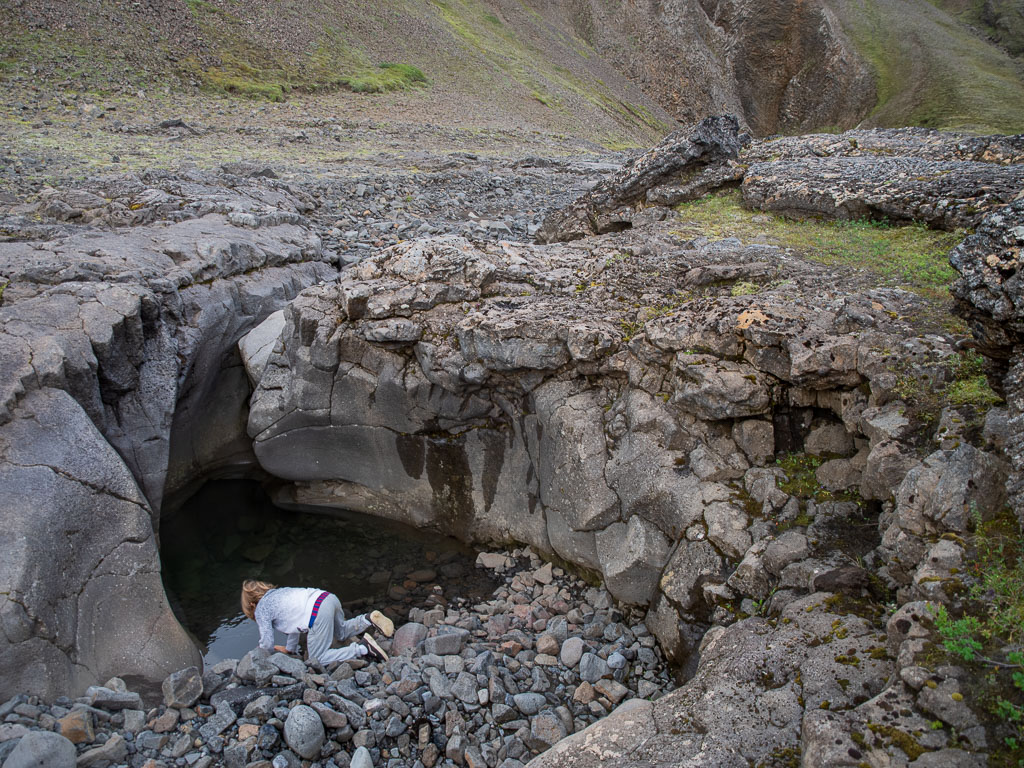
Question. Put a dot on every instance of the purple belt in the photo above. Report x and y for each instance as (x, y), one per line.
(316, 608)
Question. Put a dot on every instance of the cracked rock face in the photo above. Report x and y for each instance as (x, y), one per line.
(589, 399)
(121, 383)
(942, 194)
(988, 294)
(746, 703)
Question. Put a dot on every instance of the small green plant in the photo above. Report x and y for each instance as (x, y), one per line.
(970, 385)
(801, 478)
(615, 258)
(543, 98)
(630, 328)
(988, 636)
(959, 636)
(745, 289)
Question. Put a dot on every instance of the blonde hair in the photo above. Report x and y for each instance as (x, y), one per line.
(252, 592)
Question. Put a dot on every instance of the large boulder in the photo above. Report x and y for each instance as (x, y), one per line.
(69, 498)
(41, 748)
(687, 164)
(304, 731)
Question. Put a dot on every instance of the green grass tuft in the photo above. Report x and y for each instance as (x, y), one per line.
(965, 385)
(745, 289)
(386, 77)
(543, 98)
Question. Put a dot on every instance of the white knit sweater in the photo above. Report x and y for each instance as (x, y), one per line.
(287, 610)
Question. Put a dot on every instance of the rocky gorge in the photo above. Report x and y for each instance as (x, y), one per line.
(748, 449)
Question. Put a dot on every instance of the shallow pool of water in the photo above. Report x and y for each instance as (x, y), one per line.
(230, 531)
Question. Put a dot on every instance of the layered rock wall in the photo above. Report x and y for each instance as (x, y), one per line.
(779, 65)
(989, 296)
(609, 401)
(120, 383)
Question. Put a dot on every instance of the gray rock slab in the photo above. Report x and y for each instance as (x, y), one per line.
(183, 688)
(407, 637)
(304, 732)
(449, 640)
(41, 748)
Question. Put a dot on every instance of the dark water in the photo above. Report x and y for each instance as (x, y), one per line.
(230, 531)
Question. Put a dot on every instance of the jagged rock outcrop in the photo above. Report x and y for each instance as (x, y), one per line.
(989, 294)
(944, 180)
(784, 56)
(747, 702)
(687, 164)
(770, 62)
(891, 142)
(121, 382)
(517, 392)
(941, 194)
(989, 288)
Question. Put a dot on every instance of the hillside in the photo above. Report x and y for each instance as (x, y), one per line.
(483, 65)
(931, 70)
(1001, 21)
(615, 73)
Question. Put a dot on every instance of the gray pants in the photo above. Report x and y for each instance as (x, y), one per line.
(331, 625)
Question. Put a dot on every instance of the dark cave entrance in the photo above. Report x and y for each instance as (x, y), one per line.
(230, 530)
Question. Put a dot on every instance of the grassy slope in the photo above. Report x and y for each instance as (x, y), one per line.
(494, 66)
(933, 71)
(1002, 21)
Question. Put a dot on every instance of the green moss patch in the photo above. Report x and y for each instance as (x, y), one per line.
(912, 257)
(893, 736)
(802, 481)
(966, 385)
